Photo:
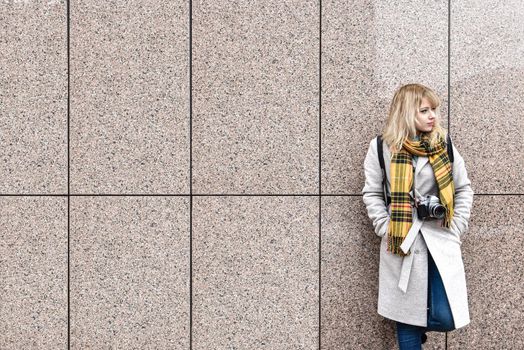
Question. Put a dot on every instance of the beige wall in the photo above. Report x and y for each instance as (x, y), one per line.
(174, 199)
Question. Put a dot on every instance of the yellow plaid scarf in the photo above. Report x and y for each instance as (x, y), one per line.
(402, 182)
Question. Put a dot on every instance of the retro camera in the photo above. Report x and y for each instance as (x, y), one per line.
(430, 207)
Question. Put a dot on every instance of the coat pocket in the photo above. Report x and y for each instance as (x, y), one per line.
(453, 233)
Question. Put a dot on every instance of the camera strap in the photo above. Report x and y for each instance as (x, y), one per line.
(387, 199)
(413, 188)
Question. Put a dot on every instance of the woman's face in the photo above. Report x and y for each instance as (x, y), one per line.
(425, 118)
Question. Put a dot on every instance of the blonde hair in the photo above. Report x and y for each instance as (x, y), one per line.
(404, 106)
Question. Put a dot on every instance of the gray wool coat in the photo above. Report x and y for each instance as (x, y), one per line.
(403, 281)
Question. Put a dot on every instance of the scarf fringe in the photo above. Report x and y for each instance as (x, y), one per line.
(446, 221)
(394, 245)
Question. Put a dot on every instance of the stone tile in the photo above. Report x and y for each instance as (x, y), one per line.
(33, 97)
(255, 273)
(255, 96)
(33, 273)
(493, 256)
(487, 92)
(130, 97)
(350, 260)
(130, 272)
(369, 49)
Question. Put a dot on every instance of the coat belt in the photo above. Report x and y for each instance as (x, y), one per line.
(407, 261)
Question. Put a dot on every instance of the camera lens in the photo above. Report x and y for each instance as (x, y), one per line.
(438, 211)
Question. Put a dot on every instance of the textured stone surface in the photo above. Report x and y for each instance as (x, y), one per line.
(130, 273)
(493, 256)
(255, 273)
(255, 102)
(33, 273)
(350, 259)
(369, 49)
(129, 97)
(33, 97)
(255, 99)
(487, 92)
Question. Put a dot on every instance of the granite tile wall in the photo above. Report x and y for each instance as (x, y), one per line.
(187, 175)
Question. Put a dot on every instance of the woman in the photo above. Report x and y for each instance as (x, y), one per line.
(417, 248)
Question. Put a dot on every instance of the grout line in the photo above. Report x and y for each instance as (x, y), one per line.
(68, 20)
(222, 195)
(190, 174)
(320, 179)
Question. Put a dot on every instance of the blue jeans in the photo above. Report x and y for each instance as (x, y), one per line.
(409, 337)
(442, 319)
